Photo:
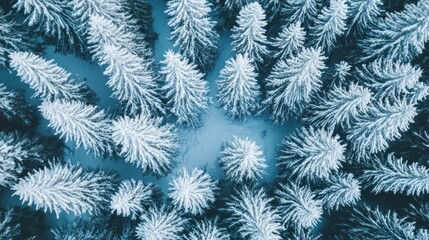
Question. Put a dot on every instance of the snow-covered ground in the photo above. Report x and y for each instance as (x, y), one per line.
(200, 147)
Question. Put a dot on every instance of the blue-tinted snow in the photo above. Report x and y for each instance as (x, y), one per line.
(200, 147)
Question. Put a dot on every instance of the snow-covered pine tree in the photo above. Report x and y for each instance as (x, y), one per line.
(340, 106)
(66, 188)
(109, 9)
(193, 192)
(382, 123)
(92, 229)
(342, 190)
(400, 36)
(254, 216)
(330, 24)
(141, 11)
(311, 154)
(369, 224)
(52, 18)
(232, 6)
(389, 79)
(104, 31)
(193, 30)
(103, 226)
(132, 81)
(289, 41)
(298, 206)
(13, 37)
(419, 92)
(341, 72)
(304, 11)
(130, 198)
(17, 154)
(303, 234)
(13, 106)
(126, 13)
(418, 211)
(364, 14)
(85, 124)
(397, 176)
(161, 224)
(48, 80)
(8, 228)
(249, 33)
(185, 88)
(293, 82)
(273, 7)
(208, 229)
(422, 234)
(146, 143)
(242, 160)
(239, 91)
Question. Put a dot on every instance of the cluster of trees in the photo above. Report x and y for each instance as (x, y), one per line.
(353, 72)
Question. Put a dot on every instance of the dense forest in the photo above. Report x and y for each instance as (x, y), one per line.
(214, 119)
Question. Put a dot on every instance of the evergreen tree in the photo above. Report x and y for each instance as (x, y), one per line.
(382, 123)
(161, 224)
(340, 106)
(395, 175)
(17, 154)
(293, 82)
(141, 11)
(207, 230)
(242, 160)
(422, 234)
(104, 31)
(289, 42)
(8, 229)
(13, 37)
(341, 191)
(342, 71)
(86, 125)
(13, 106)
(301, 10)
(193, 30)
(330, 24)
(249, 33)
(389, 79)
(401, 35)
(110, 9)
(418, 211)
(65, 188)
(311, 154)
(145, 143)
(272, 6)
(364, 14)
(232, 6)
(83, 230)
(193, 192)
(419, 92)
(93, 228)
(48, 80)
(251, 211)
(132, 81)
(298, 206)
(303, 234)
(369, 224)
(129, 199)
(52, 18)
(238, 87)
(185, 89)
